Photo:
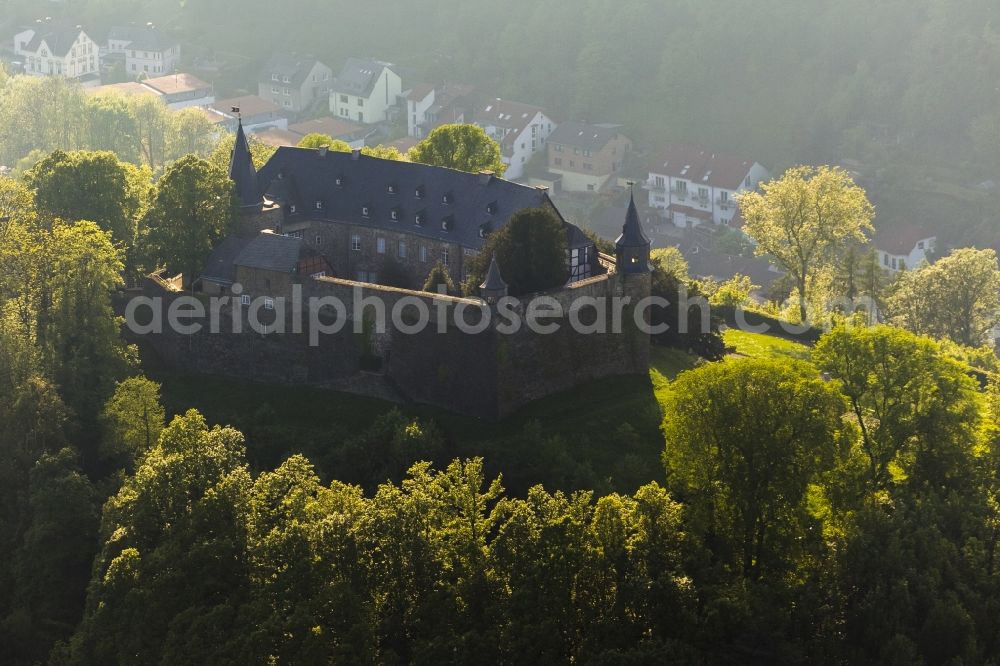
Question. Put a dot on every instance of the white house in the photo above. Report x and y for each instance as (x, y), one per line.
(904, 247)
(429, 106)
(365, 90)
(53, 49)
(691, 185)
(145, 49)
(520, 129)
(295, 82)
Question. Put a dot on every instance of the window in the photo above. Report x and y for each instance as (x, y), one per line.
(245, 299)
(319, 204)
(557, 147)
(920, 245)
(885, 259)
(343, 99)
(491, 207)
(724, 196)
(268, 303)
(558, 161)
(894, 262)
(285, 79)
(444, 256)
(394, 214)
(319, 239)
(361, 117)
(423, 253)
(356, 243)
(448, 223)
(419, 192)
(339, 181)
(291, 208)
(401, 249)
(364, 211)
(391, 188)
(703, 193)
(361, 101)
(446, 198)
(318, 275)
(587, 166)
(420, 219)
(380, 245)
(682, 187)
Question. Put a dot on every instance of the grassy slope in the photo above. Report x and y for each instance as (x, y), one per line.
(759, 345)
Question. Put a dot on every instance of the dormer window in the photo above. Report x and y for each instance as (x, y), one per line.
(420, 219)
(484, 229)
(274, 77)
(339, 181)
(448, 223)
(364, 211)
(319, 204)
(419, 192)
(291, 208)
(491, 207)
(394, 214)
(447, 198)
(391, 188)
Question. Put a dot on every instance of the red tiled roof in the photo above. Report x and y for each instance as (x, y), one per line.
(900, 240)
(702, 166)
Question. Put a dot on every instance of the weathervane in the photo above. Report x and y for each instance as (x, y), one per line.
(236, 110)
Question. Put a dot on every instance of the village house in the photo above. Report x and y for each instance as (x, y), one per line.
(692, 185)
(52, 48)
(429, 106)
(520, 129)
(144, 50)
(257, 113)
(295, 82)
(904, 247)
(585, 157)
(181, 91)
(365, 90)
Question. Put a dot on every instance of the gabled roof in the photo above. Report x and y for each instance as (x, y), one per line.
(142, 37)
(901, 240)
(583, 135)
(295, 66)
(475, 201)
(701, 166)
(419, 92)
(359, 75)
(219, 266)
(270, 252)
(506, 114)
(59, 37)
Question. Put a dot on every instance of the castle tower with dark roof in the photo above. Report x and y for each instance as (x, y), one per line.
(243, 174)
(493, 287)
(632, 247)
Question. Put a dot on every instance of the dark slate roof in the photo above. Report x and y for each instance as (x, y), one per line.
(270, 252)
(219, 266)
(303, 176)
(494, 281)
(242, 172)
(58, 36)
(358, 76)
(632, 234)
(295, 66)
(582, 135)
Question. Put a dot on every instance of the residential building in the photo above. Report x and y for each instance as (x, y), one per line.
(127, 88)
(520, 129)
(294, 82)
(693, 185)
(257, 113)
(365, 90)
(587, 156)
(146, 50)
(52, 48)
(340, 129)
(903, 247)
(429, 106)
(181, 90)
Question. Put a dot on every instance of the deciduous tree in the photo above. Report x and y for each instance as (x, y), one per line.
(462, 147)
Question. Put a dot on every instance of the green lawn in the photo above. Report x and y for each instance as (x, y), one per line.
(759, 345)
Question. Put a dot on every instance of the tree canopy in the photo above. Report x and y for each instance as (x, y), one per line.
(462, 147)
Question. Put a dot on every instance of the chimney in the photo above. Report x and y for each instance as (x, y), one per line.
(323, 150)
(485, 176)
(355, 154)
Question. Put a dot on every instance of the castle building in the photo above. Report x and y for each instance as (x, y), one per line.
(313, 221)
(386, 221)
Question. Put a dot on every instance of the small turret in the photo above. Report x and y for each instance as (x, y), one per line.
(632, 247)
(493, 287)
(242, 172)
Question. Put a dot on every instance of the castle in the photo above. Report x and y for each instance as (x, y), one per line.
(320, 224)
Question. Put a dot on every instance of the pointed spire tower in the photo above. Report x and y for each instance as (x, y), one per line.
(493, 287)
(242, 172)
(632, 247)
